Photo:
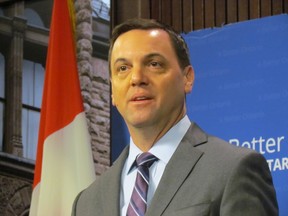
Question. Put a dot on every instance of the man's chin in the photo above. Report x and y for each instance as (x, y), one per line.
(141, 123)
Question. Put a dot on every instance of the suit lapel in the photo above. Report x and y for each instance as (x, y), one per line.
(111, 190)
(179, 167)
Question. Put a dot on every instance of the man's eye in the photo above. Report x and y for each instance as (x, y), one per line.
(155, 64)
(122, 68)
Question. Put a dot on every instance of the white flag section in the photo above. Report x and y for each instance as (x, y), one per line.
(64, 164)
(66, 169)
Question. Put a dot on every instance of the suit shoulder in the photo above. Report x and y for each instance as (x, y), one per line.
(217, 144)
(218, 151)
(209, 143)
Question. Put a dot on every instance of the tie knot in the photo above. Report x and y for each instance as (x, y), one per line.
(145, 159)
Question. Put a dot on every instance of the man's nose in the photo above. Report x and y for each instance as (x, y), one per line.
(138, 77)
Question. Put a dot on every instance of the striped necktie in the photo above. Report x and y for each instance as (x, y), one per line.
(138, 202)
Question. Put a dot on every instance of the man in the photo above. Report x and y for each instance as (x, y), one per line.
(192, 173)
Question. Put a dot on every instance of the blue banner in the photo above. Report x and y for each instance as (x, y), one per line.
(241, 89)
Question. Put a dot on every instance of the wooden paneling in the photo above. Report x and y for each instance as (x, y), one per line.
(143, 12)
(285, 6)
(254, 9)
(188, 15)
(277, 6)
(166, 11)
(155, 7)
(220, 15)
(243, 10)
(232, 11)
(209, 13)
(265, 8)
(177, 20)
(198, 13)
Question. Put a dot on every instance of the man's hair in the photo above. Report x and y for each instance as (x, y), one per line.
(178, 43)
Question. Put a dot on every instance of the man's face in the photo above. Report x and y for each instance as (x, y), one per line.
(148, 85)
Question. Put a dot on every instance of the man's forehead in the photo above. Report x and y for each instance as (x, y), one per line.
(141, 40)
(137, 36)
(155, 32)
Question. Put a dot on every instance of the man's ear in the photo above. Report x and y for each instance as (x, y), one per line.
(112, 97)
(113, 101)
(188, 78)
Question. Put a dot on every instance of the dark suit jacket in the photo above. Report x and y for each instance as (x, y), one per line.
(205, 176)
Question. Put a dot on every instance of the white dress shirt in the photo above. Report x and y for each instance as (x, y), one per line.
(163, 150)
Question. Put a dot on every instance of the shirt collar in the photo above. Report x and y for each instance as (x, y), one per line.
(163, 148)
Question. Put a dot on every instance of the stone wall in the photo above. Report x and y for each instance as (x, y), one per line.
(16, 176)
(15, 196)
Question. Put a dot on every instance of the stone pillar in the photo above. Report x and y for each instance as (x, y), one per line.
(95, 88)
(84, 48)
(83, 10)
(13, 109)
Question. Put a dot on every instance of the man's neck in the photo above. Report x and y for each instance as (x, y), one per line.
(145, 138)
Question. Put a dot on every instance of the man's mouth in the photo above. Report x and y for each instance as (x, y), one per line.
(140, 98)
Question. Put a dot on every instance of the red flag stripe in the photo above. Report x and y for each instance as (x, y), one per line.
(62, 99)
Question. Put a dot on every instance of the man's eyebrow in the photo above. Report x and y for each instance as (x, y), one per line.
(120, 60)
(151, 55)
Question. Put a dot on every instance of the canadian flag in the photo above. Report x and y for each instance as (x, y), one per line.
(64, 164)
